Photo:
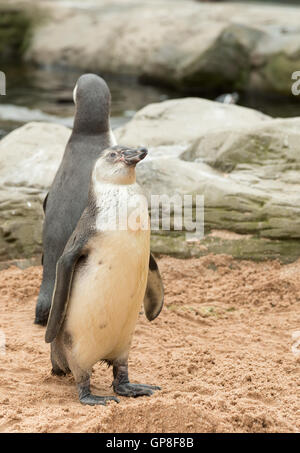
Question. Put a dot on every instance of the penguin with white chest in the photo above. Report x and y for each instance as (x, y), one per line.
(101, 279)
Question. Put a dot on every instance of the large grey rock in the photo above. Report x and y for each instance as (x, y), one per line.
(264, 161)
(246, 165)
(199, 46)
(184, 121)
(29, 158)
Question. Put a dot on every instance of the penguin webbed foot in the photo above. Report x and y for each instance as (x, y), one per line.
(93, 400)
(135, 390)
(123, 387)
(58, 372)
(86, 397)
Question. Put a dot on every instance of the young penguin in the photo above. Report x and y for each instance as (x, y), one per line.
(101, 279)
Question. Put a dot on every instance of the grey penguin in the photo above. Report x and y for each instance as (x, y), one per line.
(101, 280)
(68, 195)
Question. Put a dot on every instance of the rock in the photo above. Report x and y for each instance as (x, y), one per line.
(29, 158)
(15, 30)
(243, 247)
(199, 47)
(264, 160)
(245, 164)
(276, 58)
(183, 121)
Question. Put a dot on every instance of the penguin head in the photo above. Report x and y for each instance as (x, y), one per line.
(117, 164)
(92, 98)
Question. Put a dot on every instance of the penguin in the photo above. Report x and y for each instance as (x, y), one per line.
(101, 279)
(68, 195)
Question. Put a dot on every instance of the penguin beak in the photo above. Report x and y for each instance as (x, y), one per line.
(132, 157)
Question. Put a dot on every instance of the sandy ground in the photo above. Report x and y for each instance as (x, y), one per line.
(221, 350)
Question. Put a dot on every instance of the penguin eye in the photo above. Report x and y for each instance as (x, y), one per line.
(113, 154)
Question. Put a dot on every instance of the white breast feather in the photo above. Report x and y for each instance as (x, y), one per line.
(107, 294)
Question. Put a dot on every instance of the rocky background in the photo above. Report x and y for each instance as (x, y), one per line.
(245, 163)
(197, 46)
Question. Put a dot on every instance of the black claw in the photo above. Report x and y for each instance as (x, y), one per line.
(151, 387)
(135, 390)
(93, 400)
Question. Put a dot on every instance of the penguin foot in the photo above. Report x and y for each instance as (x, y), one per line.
(135, 390)
(86, 397)
(93, 400)
(57, 372)
(41, 315)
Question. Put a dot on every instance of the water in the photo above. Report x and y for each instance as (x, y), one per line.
(34, 94)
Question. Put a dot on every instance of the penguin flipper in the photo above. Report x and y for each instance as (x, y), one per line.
(64, 274)
(154, 296)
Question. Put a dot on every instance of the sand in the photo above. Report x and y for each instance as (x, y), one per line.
(224, 350)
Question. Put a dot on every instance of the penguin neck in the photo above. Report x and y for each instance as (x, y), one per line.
(121, 181)
(85, 126)
(91, 119)
(115, 204)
